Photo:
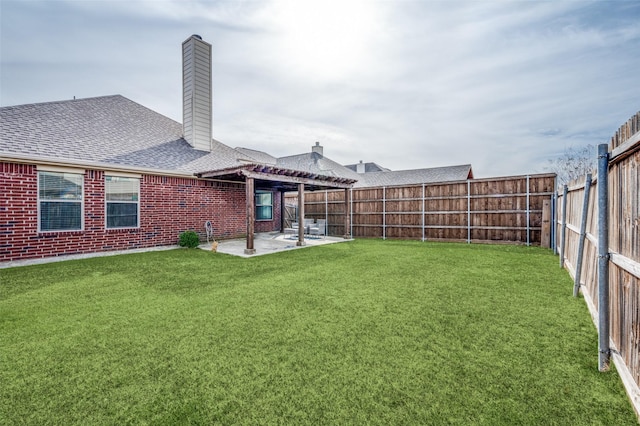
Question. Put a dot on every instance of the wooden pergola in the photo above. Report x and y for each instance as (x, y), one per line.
(282, 180)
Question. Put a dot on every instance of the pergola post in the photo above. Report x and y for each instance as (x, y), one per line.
(251, 215)
(283, 211)
(301, 229)
(347, 214)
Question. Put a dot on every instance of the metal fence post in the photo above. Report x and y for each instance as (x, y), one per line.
(384, 212)
(554, 216)
(351, 212)
(583, 234)
(528, 214)
(563, 230)
(604, 352)
(326, 212)
(554, 221)
(468, 212)
(423, 221)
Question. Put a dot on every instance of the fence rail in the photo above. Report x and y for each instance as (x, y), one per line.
(581, 222)
(506, 209)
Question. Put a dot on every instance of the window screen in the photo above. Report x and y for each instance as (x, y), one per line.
(60, 201)
(122, 198)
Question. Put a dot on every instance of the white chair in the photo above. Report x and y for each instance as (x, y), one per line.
(291, 232)
(319, 229)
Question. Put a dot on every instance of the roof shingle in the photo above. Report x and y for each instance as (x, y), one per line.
(107, 129)
(117, 131)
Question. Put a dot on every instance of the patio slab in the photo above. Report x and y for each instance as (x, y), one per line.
(267, 243)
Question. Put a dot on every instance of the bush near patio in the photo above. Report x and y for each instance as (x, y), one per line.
(370, 331)
(189, 239)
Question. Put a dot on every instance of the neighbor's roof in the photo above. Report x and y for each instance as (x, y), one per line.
(417, 176)
(317, 163)
(107, 129)
(253, 155)
(368, 167)
(320, 164)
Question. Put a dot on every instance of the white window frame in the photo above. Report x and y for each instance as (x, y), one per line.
(263, 205)
(106, 201)
(59, 170)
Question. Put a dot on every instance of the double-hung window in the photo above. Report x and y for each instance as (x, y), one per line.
(122, 196)
(264, 205)
(60, 197)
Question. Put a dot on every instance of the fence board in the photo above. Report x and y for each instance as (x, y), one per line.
(624, 250)
(485, 209)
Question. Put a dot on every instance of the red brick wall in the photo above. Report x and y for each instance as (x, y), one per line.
(168, 206)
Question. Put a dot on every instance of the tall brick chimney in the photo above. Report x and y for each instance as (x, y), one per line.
(197, 108)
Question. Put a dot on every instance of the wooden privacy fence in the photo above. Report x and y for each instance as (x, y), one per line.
(514, 209)
(599, 244)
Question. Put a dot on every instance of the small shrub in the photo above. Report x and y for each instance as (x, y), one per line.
(189, 239)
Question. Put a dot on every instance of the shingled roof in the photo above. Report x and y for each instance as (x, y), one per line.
(317, 163)
(368, 167)
(113, 130)
(260, 157)
(416, 176)
(106, 130)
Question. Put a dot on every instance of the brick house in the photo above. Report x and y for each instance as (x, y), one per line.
(106, 173)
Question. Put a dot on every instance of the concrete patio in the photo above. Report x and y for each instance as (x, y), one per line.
(264, 243)
(269, 242)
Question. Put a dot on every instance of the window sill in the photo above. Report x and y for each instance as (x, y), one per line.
(61, 231)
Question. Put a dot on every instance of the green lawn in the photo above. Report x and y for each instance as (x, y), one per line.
(366, 332)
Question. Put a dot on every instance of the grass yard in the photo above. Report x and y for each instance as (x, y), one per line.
(367, 332)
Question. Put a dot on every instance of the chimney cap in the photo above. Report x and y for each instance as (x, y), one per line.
(197, 36)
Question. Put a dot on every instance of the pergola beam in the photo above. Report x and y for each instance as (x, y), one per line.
(318, 181)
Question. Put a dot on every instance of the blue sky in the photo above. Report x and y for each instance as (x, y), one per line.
(503, 85)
